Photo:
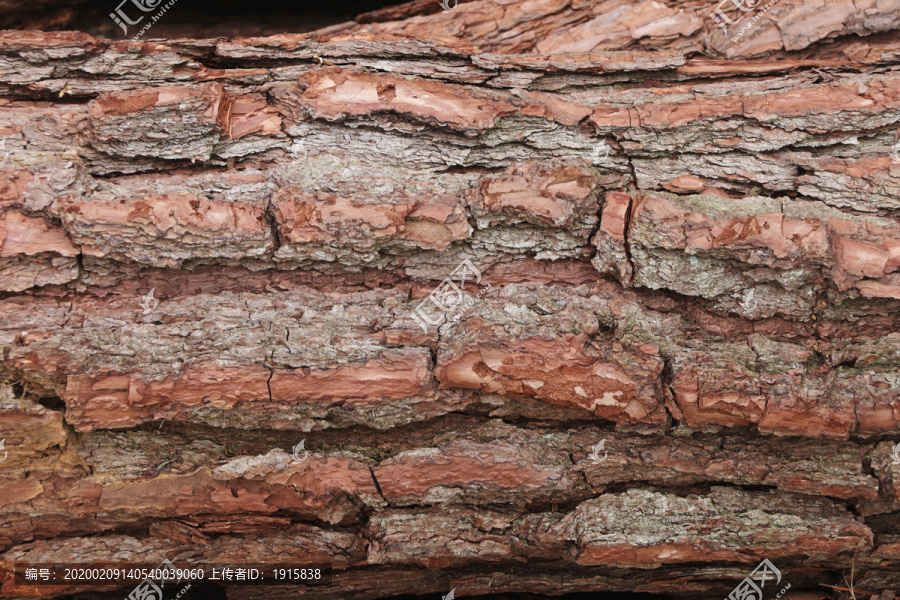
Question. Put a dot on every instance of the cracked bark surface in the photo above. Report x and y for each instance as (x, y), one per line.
(694, 261)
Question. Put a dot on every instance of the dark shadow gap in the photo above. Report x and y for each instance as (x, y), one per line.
(186, 18)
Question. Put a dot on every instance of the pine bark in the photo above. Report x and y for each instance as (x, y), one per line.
(691, 258)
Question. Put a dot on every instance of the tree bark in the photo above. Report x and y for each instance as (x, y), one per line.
(556, 303)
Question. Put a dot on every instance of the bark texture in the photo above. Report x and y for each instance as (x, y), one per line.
(694, 261)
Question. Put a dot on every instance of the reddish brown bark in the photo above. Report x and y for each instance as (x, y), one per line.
(695, 262)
